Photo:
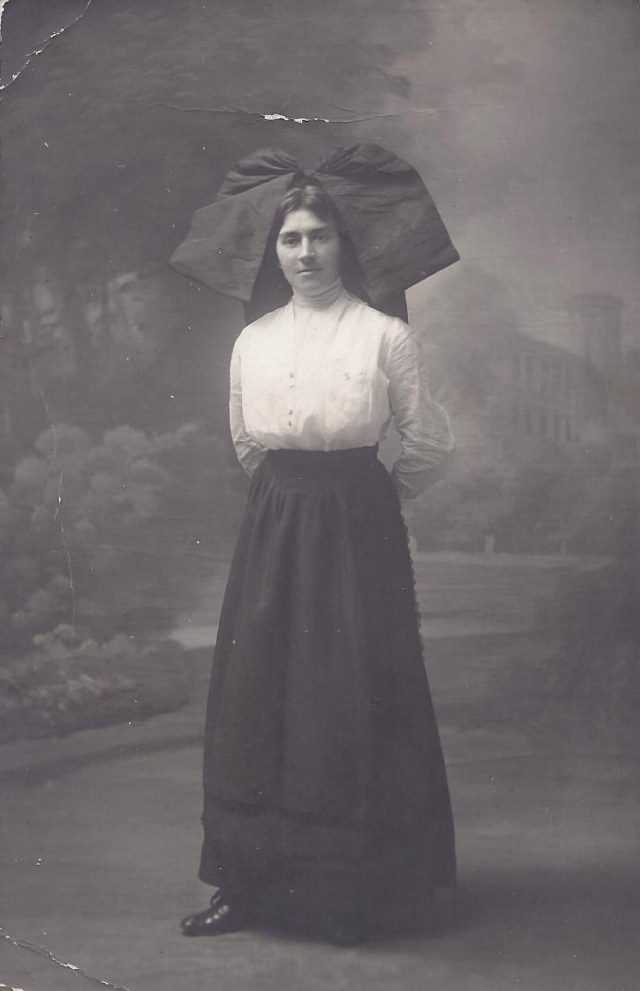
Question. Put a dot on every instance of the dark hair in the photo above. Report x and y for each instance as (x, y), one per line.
(309, 197)
(271, 289)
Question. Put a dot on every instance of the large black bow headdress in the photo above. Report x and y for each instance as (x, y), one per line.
(395, 228)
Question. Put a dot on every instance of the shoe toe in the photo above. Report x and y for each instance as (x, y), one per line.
(221, 917)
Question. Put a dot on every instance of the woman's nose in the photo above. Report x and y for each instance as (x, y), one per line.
(306, 247)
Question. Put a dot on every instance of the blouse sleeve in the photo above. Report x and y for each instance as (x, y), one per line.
(250, 453)
(425, 432)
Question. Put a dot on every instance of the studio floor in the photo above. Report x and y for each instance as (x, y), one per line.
(102, 835)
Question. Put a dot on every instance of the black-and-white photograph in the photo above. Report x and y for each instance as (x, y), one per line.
(321, 495)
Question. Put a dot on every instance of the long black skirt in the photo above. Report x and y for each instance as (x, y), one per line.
(322, 754)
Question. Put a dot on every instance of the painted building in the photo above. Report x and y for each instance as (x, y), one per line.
(549, 395)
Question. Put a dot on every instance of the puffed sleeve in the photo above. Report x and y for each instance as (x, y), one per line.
(250, 453)
(425, 432)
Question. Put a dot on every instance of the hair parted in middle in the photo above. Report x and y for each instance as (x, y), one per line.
(309, 196)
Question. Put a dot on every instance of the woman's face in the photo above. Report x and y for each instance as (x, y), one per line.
(308, 250)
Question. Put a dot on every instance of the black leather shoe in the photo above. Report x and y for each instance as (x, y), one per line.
(224, 915)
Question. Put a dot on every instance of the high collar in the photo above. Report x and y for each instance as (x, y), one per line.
(321, 300)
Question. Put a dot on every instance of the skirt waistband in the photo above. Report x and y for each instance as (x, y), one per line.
(310, 469)
(288, 455)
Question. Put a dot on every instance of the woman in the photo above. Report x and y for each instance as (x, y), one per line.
(323, 771)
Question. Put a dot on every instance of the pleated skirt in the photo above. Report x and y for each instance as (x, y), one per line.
(322, 755)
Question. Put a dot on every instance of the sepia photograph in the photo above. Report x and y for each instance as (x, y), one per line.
(320, 495)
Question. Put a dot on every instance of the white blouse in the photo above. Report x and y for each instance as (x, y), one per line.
(323, 378)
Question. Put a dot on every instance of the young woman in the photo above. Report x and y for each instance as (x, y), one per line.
(323, 771)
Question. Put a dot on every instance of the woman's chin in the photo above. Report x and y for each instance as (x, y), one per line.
(312, 283)
(311, 279)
